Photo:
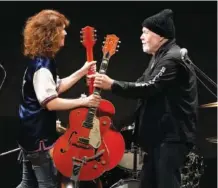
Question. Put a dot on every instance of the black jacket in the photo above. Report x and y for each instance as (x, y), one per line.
(167, 98)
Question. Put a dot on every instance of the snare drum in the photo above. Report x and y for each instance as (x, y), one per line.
(127, 162)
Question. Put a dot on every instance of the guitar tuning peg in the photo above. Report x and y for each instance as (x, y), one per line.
(95, 30)
(118, 46)
(81, 31)
(81, 41)
(119, 41)
(117, 50)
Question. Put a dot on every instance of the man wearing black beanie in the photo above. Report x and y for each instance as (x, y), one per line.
(166, 114)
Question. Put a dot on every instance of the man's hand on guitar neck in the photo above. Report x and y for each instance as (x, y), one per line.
(102, 81)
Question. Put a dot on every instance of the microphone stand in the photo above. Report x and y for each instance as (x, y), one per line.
(8, 152)
(59, 128)
(13, 150)
(4, 76)
(186, 59)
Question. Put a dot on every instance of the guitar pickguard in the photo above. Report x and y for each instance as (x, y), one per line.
(95, 135)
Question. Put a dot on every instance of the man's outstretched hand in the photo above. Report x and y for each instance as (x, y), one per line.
(102, 81)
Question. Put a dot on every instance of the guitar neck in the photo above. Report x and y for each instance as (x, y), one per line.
(89, 57)
(89, 54)
(102, 70)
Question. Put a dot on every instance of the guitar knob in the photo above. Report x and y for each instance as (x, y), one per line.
(104, 123)
(103, 162)
(95, 166)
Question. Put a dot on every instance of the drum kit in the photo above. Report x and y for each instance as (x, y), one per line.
(127, 172)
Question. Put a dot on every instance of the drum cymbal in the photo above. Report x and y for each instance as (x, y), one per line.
(212, 140)
(209, 105)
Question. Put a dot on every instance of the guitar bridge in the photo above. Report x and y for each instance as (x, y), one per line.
(83, 140)
(78, 145)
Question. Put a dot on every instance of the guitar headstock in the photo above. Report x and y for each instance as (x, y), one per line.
(110, 45)
(88, 36)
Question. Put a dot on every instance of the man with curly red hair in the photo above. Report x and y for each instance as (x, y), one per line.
(44, 35)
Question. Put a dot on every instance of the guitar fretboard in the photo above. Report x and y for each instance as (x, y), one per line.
(92, 110)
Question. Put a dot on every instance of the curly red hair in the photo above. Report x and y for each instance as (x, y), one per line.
(42, 33)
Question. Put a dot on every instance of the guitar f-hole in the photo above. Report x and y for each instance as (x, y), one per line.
(64, 150)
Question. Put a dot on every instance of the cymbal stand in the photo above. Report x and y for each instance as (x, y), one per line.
(4, 76)
(134, 149)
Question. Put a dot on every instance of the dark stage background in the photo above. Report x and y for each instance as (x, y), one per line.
(196, 30)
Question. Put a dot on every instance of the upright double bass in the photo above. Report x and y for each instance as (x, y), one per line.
(88, 148)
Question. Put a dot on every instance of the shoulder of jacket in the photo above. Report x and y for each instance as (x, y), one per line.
(173, 53)
(41, 62)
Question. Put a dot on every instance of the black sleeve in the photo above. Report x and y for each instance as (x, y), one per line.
(163, 76)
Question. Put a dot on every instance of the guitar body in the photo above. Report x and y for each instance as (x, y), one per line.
(71, 145)
(106, 107)
(113, 140)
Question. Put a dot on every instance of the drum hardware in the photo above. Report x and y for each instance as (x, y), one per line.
(135, 153)
(128, 128)
(127, 173)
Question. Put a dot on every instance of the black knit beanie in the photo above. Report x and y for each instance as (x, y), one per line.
(161, 24)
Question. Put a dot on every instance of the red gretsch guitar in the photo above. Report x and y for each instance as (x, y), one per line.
(81, 153)
(117, 146)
